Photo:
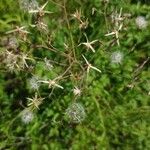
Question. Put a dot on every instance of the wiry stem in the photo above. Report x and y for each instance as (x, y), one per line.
(69, 28)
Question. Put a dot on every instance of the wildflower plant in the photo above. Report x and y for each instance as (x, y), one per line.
(47, 51)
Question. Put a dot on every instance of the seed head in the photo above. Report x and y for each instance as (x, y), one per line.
(76, 112)
(141, 22)
(27, 116)
(33, 4)
(36, 101)
(116, 57)
(33, 82)
(28, 5)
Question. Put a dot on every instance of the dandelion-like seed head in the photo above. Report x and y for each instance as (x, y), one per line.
(27, 116)
(116, 57)
(33, 82)
(24, 4)
(76, 112)
(33, 5)
(28, 5)
(141, 22)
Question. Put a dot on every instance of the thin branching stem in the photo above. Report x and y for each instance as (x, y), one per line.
(69, 28)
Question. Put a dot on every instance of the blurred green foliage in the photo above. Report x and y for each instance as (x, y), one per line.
(116, 102)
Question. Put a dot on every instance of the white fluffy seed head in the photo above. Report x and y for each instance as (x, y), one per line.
(33, 82)
(116, 57)
(33, 5)
(76, 112)
(28, 5)
(24, 4)
(27, 116)
(141, 22)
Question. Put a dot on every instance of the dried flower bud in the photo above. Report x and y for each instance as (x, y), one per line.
(76, 91)
(27, 116)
